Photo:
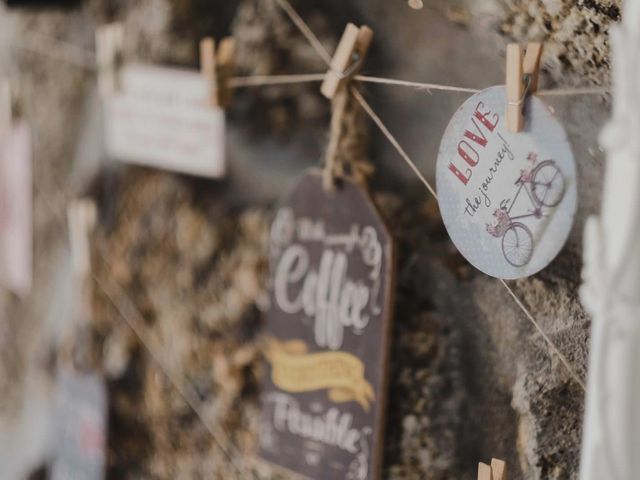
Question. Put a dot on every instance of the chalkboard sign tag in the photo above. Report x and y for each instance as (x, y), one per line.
(328, 328)
(80, 399)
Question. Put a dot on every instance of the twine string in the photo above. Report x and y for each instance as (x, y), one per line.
(46, 46)
(332, 169)
(552, 345)
(306, 31)
(385, 131)
(266, 80)
(417, 85)
(133, 318)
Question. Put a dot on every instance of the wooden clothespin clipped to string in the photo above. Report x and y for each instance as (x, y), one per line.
(346, 62)
(348, 58)
(217, 66)
(496, 471)
(522, 80)
(109, 50)
(82, 217)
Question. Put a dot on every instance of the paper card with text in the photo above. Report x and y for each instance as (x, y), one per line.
(508, 200)
(80, 426)
(328, 333)
(161, 117)
(16, 209)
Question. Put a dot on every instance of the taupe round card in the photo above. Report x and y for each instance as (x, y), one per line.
(507, 199)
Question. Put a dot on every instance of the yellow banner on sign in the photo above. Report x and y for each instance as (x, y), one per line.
(294, 370)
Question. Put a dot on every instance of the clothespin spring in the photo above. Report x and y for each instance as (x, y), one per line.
(521, 81)
(527, 84)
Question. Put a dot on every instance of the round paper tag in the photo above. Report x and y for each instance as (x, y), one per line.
(507, 199)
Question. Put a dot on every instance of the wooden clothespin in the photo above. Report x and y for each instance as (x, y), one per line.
(109, 47)
(348, 58)
(218, 66)
(82, 217)
(484, 472)
(76, 348)
(522, 80)
(496, 471)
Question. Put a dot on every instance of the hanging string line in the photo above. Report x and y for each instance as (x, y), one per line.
(416, 85)
(127, 310)
(66, 52)
(299, 22)
(376, 119)
(385, 131)
(265, 80)
(562, 358)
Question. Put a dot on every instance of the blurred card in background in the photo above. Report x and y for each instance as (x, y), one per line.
(16, 230)
(161, 118)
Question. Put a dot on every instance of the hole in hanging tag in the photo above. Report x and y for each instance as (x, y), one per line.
(527, 84)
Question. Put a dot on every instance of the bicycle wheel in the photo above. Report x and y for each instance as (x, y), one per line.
(517, 245)
(547, 184)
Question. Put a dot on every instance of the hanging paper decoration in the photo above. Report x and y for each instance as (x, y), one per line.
(80, 425)
(507, 199)
(328, 333)
(16, 204)
(81, 400)
(163, 117)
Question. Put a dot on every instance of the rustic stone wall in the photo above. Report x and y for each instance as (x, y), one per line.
(471, 378)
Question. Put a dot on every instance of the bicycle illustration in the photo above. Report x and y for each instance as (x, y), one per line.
(544, 184)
